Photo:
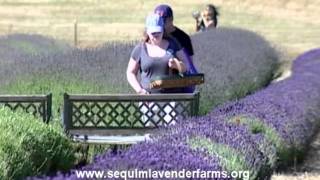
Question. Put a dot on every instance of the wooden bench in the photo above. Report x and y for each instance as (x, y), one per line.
(123, 118)
(38, 105)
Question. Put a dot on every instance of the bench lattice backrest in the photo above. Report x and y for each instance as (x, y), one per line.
(125, 114)
(38, 105)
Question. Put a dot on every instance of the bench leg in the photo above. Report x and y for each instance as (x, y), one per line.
(114, 149)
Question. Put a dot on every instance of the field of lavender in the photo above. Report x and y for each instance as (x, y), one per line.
(235, 62)
(259, 133)
(270, 129)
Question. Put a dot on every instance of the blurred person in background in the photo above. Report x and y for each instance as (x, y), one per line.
(206, 19)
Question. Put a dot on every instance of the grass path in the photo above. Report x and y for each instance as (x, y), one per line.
(309, 169)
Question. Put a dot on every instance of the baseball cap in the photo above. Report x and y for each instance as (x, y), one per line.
(154, 23)
(164, 11)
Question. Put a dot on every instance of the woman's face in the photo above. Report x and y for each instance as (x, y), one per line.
(207, 17)
(155, 37)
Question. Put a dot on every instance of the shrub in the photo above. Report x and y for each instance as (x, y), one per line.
(290, 108)
(236, 62)
(30, 147)
(16, 46)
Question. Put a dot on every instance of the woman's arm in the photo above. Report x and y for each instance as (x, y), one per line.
(198, 24)
(132, 70)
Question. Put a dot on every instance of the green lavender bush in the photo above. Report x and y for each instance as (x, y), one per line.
(30, 147)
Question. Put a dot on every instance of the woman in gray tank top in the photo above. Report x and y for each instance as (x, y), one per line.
(155, 56)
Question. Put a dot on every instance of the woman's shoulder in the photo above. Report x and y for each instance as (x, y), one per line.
(136, 52)
(138, 47)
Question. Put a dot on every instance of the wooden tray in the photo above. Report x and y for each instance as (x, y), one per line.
(175, 81)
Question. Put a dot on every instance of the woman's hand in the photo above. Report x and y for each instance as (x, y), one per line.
(142, 91)
(174, 63)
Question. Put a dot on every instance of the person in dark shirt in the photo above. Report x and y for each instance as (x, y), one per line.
(180, 36)
(183, 38)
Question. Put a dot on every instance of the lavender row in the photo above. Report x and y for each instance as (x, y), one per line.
(290, 107)
(227, 77)
(172, 149)
(235, 62)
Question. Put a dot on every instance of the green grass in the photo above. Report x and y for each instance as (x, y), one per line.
(101, 21)
(257, 126)
(52, 84)
(60, 84)
(230, 159)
